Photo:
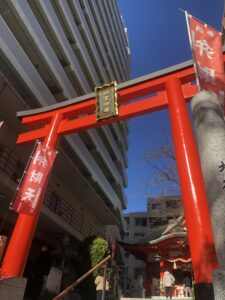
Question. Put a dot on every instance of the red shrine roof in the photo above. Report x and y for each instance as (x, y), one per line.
(165, 241)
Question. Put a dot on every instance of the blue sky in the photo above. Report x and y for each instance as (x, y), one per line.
(158, 39)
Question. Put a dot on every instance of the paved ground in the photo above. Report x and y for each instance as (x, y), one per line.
(158, 298)
(178, 298)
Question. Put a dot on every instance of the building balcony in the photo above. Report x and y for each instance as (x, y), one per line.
(71, 216)
(56, 208)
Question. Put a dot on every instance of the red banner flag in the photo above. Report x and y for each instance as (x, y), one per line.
(206, 44)
(35, 180)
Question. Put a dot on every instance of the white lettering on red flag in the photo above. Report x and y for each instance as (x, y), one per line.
(207, 52)
(35, 181)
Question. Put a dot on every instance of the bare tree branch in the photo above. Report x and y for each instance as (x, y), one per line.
(163, 161)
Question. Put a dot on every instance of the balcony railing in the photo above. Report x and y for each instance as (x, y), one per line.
(11, 165)
(75, 218)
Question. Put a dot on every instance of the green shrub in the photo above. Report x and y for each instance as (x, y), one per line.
(92, 250)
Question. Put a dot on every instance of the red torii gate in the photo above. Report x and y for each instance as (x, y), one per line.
(170, 88)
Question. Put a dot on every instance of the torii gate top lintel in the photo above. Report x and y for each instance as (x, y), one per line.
(143, 86)
(120, 86)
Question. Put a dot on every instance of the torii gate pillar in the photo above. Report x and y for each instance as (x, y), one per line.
(193, 192)
(18, 249)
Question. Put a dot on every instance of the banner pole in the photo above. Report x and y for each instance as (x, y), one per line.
(192, 51)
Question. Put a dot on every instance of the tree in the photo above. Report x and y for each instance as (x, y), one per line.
(163, 162)
(91, 251)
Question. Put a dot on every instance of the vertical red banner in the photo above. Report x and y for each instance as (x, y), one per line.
(34, 181)
(208, 57)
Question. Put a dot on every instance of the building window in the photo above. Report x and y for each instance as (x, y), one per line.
(139, 272)
(140, 222)
(154, 221)
(54, 202)
(125, 270)
(138, 235)
(172, 204)
(18, 172)
(127, 220)
(126, 236)
(156, 205)
(2, 148)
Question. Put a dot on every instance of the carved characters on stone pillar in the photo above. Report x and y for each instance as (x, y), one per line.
(221, 168)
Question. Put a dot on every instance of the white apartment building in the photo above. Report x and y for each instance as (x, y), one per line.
(162, 209)
(51, 51)
(136, 228)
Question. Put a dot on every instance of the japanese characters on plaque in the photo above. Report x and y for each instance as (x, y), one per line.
(34, 181)
(207, 52)
(221, 168)
(106, 104)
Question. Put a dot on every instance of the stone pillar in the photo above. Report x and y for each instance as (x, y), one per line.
(12, 288)
(210, 134)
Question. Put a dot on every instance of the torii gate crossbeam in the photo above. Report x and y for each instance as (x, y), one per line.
(132, 89)
(169, 88)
